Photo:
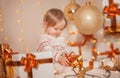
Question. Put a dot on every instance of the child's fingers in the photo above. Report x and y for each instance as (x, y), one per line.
(65, 61)
(71, 53)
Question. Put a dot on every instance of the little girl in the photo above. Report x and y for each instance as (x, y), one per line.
(54, 23)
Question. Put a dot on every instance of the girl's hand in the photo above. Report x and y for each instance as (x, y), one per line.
(65, 59)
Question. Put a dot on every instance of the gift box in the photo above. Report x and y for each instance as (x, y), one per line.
(43, 70)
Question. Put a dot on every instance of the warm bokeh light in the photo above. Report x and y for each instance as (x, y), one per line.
(20, 39)
(1, 29)
(5, 38)
(38, 2)
(18, 11)
(19, 21)
(21, 1)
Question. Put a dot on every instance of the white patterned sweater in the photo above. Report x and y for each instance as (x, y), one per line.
(56, 45)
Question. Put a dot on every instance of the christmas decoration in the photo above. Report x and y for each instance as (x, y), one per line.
(112, 52)
(88, 19)
(70, 10)
(112, 10)
(29, 62)
(77, 63)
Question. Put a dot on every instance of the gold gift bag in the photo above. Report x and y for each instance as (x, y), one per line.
(5, 56)
(2, 63)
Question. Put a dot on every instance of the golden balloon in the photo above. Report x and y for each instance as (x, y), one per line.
(70, 10)
(88, 19)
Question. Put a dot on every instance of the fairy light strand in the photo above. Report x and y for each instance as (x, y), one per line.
(20, 23)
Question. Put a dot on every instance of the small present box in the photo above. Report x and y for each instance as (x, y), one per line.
(44, 69)
(102, 46)
(91, 64)
(19, 70)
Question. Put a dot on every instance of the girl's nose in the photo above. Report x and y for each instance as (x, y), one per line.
(58, 31)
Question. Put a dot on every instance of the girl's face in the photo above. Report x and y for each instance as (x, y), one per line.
(56, 30)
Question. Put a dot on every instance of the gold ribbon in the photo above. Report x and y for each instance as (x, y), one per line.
(112, 52)
(29, 62)
(6, 53)
(111, 10)
(9, 69)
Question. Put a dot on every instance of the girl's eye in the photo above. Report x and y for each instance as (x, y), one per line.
(55, 28)
(61, 29)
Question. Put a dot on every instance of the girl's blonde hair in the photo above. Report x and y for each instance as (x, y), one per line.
(53, 16)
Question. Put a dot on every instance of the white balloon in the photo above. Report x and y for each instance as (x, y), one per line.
(88, 19)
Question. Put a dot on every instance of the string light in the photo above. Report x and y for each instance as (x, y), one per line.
(38, 2)
(98, 53)
(19, 21)
(1, 15)
(21, 1)
(1, 29)
(5, 38)
(22, 30)
(93, 58)
(18, 11)
(94, 41)
(20, 39)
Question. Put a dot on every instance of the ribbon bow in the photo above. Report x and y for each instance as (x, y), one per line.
(76, 60)
(112, 51)
(29, 62)
(7, 53)
(111, 10)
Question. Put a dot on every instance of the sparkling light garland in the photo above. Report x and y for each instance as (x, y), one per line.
(1, 15)
(20, 23)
